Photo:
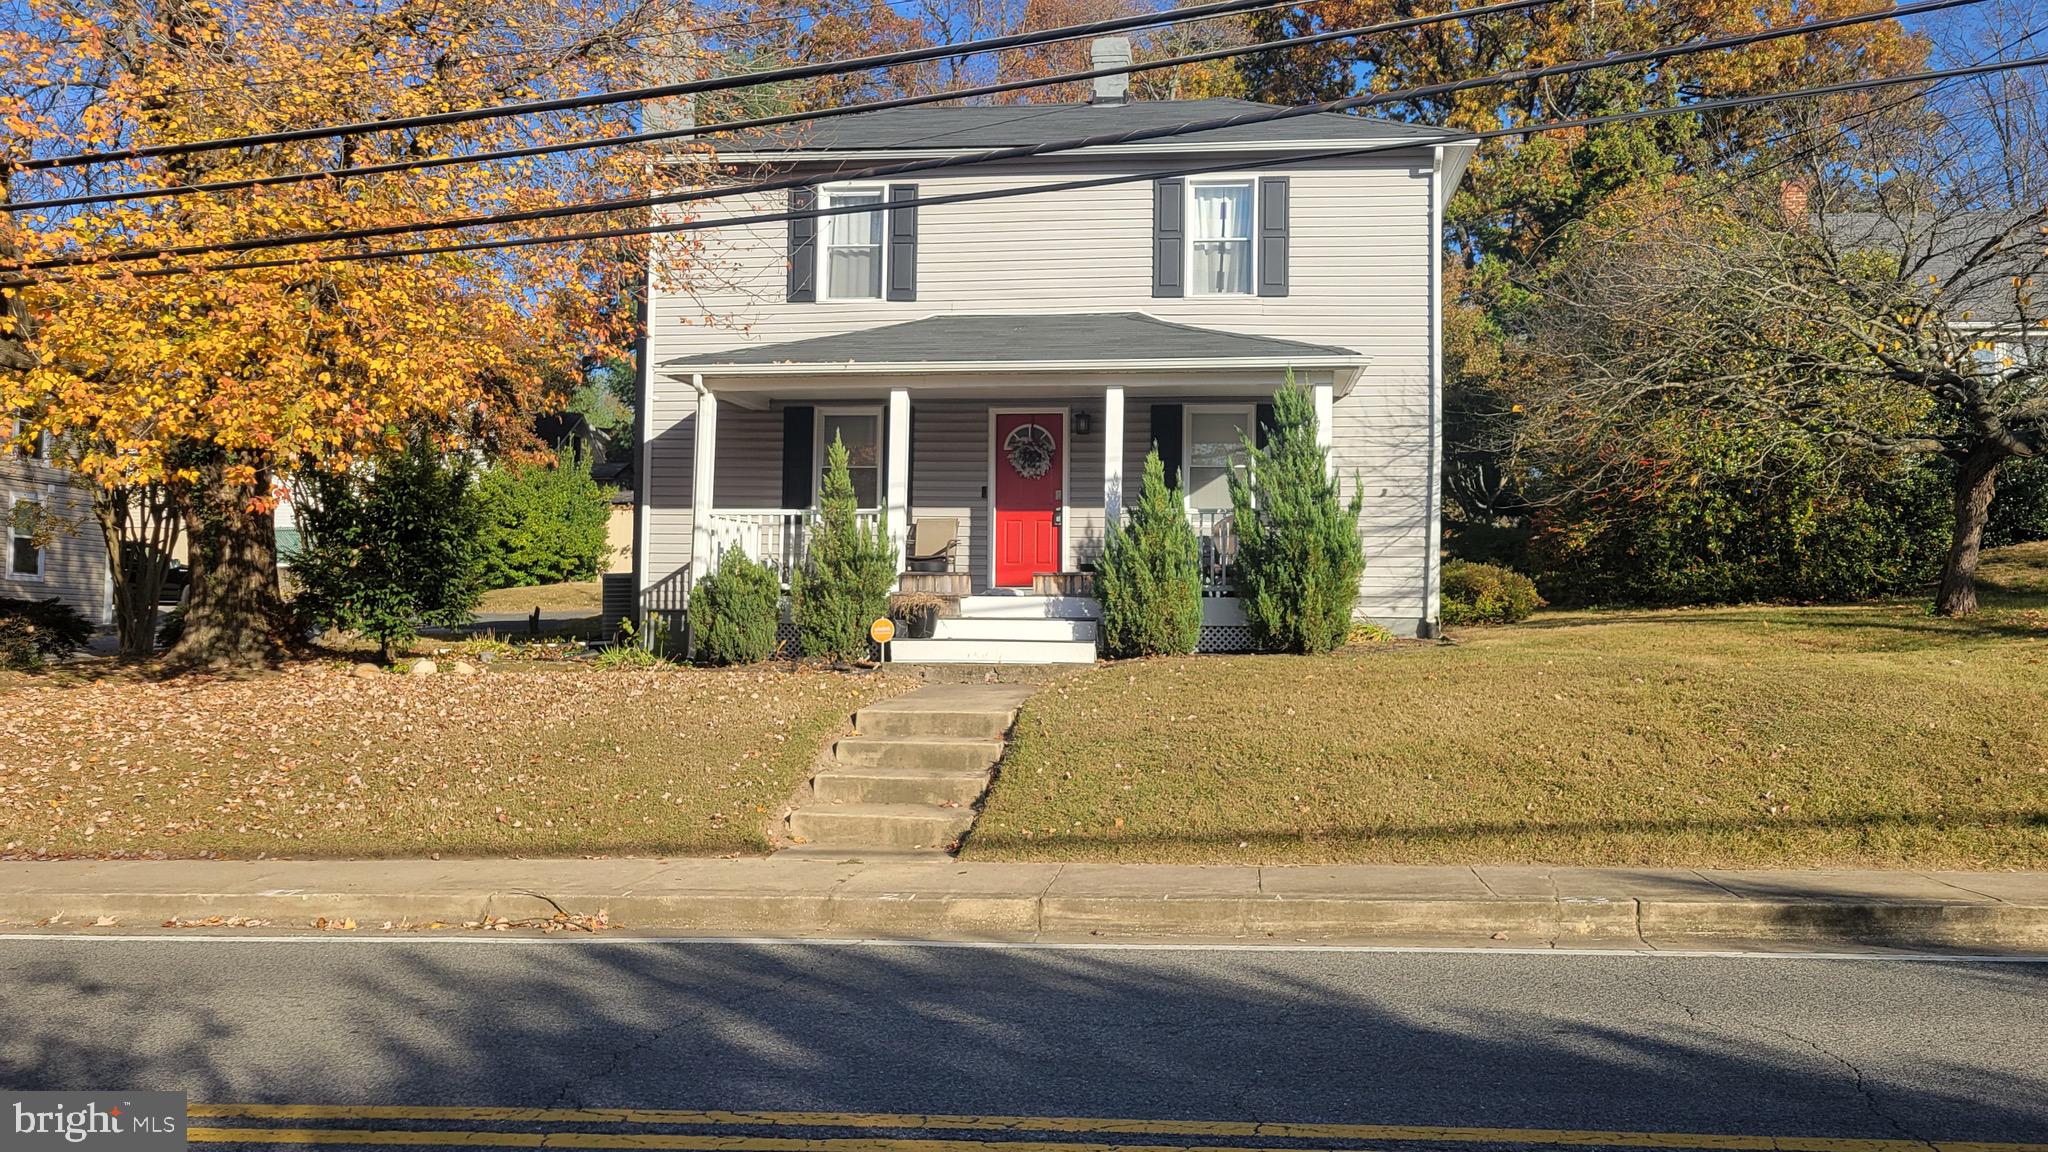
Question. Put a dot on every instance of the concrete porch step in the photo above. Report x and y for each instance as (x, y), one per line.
(887, 826)
(1031, 607)
(992, 651)
(918, 753)
(841, 784)
(1004, 628)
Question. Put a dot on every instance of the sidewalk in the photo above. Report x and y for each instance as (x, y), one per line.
(944, 898)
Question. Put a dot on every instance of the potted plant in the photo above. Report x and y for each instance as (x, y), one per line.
(916, 613)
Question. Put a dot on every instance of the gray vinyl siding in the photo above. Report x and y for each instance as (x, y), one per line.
(1359, 278)
(75, 560)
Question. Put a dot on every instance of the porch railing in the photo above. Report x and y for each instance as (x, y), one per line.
(1218, 547)
(776, 537)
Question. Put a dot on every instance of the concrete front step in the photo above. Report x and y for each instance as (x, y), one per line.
(843, 784)
(888, 826)
(960, 711)
(1031, 607)
(918, 753)
(992, 651)
(1006, 628)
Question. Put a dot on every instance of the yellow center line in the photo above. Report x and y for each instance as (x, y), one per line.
(717, 1143)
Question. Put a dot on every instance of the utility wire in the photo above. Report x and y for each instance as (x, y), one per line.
(778, 119)
(1699, 107)
(1019, 152)
(653, 92)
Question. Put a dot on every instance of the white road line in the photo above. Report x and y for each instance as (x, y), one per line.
(585, 941)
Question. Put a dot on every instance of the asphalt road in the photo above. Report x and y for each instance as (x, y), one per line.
(1861, 1049)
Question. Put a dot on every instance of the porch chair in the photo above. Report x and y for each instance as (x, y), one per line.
(931, 544)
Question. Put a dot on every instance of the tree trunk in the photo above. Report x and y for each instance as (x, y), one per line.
(1976, 481)
(233, 611)
(139, 527)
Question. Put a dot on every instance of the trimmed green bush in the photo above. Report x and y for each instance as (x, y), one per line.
(843, 585)
(387, 551)
(543, 524)
(734, 611)
(1298, 554)
(33, 631)
(1150, 578)
(1486, 594)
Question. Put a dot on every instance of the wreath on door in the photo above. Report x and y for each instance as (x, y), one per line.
(1030, 449)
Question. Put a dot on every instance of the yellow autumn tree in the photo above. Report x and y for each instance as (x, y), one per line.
(217, 385)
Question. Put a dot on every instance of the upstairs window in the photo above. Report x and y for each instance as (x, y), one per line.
(1220, 239)
(852, 253)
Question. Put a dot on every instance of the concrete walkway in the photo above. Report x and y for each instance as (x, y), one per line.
(951, 899)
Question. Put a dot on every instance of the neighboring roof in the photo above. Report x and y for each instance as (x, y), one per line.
(1012, 125)
(1105, 337)
(1941, 247)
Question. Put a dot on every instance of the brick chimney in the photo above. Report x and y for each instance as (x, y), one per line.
(1110, 52)
(1792, 204)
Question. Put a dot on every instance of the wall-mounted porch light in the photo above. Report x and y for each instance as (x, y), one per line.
(1081, 423)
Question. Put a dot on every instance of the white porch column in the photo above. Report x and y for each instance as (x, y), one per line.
(1326, 408)
(1112, 456)
(702, 468)
(898, 471)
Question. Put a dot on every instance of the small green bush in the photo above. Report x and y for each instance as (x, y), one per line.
(33, 631)
(844, 583)
(1150, 578)
(734, 611)
(1486, 594)
(542, 524)
(1298, 555)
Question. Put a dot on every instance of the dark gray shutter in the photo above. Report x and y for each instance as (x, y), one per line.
(1263, 417)
(1170, 438)
(799, 425)
(1169, 237)
(902, 277)
(803, 249)
(1273, 236)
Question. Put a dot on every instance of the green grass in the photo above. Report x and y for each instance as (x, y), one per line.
(1858, 736)
(529, 759)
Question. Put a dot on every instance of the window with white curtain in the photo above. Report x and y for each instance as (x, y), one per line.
(1215, 447)
(1220, 236)
(852, 251)
(861, 432)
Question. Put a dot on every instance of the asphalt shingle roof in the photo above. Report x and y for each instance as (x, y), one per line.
(1104, 336)
(1013, 125)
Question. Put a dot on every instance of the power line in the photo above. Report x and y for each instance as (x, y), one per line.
(1696, 108)
(1255, 116)
(658, 91)
(780, 118)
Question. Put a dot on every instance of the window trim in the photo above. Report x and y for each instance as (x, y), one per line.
(1188, 229)
(823, 257)
(881, 415)
(42, 552)
(1249, 410)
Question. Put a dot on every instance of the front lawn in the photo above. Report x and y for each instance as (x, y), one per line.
(529, 759)
(1864, 736)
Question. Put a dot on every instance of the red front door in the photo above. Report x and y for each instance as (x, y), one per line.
(1030, 450)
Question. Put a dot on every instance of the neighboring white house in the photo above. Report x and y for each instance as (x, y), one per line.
(1006, 363)
(54, 546)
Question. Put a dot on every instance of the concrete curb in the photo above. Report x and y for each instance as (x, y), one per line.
(953, 900)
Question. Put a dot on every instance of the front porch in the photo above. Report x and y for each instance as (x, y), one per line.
(990, 475)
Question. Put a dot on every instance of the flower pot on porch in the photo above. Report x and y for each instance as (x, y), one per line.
(919, 622)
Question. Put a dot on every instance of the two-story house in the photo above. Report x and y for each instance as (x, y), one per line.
(998, 367)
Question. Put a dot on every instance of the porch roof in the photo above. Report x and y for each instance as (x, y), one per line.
(968, 343)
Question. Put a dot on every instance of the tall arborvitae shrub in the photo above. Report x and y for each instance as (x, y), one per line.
(734, 611)
(1150, 578)
(1298, 552)
(844, 582)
